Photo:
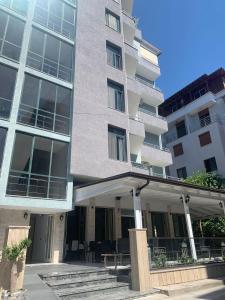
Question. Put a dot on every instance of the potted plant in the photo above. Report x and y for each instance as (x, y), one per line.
(14, 257)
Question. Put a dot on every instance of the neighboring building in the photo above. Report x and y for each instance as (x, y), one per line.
(71, 116)
(196, 120)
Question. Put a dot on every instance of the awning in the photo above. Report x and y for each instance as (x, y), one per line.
(204, 202)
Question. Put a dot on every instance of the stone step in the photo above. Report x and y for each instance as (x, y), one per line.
(92, 290)
(81, 281)
(120, 295)
(75, 274)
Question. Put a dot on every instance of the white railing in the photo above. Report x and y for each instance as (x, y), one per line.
(156, 146)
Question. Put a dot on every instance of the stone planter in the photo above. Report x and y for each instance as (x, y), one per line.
(12, 275)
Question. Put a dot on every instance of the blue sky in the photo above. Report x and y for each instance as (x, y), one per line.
(191, 35)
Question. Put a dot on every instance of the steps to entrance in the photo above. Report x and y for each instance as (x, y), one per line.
(92, 284)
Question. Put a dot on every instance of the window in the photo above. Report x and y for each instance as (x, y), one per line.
(199, 92)
(181, 129)
(159, 224)
(157, 171)
(56, 15)
(17, 5)
(178, 149)
(3, 133)
(151, 139)
(204, 117)
(45, 105)
(179, 224)
(210, 165)
(116, 96)
(112, 20)
(114, 56)
(7, 85)
(38, 167)
(117, 143)
(11, 36)
(205, 139)
(182, 173)
(50, 55)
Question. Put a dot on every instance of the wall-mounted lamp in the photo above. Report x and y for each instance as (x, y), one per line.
(25, 215)
(187, 199)
(61, 218)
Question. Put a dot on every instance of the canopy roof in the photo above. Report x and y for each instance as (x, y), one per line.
(204, 202)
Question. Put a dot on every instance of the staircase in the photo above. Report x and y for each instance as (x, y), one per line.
(92, 284)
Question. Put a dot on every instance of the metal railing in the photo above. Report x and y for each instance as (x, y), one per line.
(49, 66)
(156, 146)
(5, 108)
(43, 119)
(148, 112)
(35, 185)
(167, 252)
(135, 20)
(148, 167)
(147, 83)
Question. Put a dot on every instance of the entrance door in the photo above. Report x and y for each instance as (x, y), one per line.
(41, 237)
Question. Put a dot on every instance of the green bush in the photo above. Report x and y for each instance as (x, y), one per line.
(16, 252)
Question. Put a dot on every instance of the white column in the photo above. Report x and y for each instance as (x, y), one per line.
(222, 204)
(137, 209)
(189, 228)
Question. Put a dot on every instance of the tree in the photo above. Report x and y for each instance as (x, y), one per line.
(213, 226)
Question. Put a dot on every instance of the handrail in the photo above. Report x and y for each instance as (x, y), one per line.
(151, 113)
(156, 147)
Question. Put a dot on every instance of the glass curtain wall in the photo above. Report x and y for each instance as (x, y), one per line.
(38, 167)
(20, 6)
(50, 55)
(11, 36)
(57, 16)
(45, 105)
(7, 86)
(3, 132)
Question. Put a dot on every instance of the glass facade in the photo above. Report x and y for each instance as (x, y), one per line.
(7, 86)
(45, 105)
(57, 16)
(11, 36)
(50, 55)
(3, 133)
(20, 6)
(38, 167)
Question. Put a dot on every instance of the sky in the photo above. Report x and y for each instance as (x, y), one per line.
(190, 34)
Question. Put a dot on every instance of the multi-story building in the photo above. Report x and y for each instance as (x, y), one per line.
(196, 121)
(77, 102)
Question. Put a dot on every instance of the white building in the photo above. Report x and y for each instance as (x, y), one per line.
(196, 120)
(77, 102)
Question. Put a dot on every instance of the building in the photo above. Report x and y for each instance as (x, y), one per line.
(78, 102)
(196, 120)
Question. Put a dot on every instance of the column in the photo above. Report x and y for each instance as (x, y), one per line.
(137, 209)
(90, 221)
(149, 221)
(185, 201)
(117, 220)
(170, 222)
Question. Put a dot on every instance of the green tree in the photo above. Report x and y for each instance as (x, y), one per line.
(213, 226)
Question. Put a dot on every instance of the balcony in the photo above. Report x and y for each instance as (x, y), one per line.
(137, 127)
(131, 59)
(133, 96)
(147, 69)
(155, 124)
(150, 94)
(129, 26)
(155, 155)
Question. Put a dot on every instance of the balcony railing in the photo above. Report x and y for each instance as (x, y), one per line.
(135, 20)
(156, 146)
(148, 112)
(148, 167)
(147, 83)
